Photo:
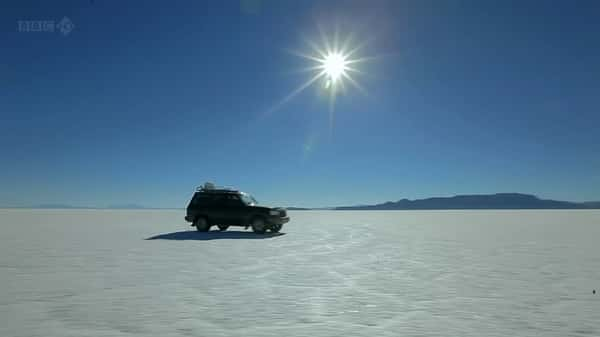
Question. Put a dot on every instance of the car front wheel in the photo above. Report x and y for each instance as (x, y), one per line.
(259, 226)
(276, 228)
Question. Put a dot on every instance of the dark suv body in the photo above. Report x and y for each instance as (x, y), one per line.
(225, 207)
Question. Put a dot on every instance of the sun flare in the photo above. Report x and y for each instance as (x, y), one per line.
(334, 65)
(334, 62)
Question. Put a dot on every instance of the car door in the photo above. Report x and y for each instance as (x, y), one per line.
(233, 209)
(218, 209)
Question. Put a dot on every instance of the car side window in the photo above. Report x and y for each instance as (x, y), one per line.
(218, 200)
(233, 200)
(199, 200)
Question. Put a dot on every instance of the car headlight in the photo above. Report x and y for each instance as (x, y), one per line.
(274, 212)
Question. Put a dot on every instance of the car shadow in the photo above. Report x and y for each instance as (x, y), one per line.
(213, 235)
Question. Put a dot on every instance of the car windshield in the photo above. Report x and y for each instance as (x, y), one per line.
(248, 199)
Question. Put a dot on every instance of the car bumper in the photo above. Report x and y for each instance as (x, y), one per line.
(277, 220)
(189, 218)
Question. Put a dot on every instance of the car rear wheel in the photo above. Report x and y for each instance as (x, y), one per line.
(223, 227)
(202, 224)
(276, 228)
(259, 226)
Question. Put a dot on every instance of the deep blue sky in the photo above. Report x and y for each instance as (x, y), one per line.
(145, 100)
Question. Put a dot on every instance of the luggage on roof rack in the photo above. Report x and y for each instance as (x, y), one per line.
(219, 190)
(210, 187)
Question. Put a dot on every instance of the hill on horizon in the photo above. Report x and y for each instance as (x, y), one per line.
(467, 201)
(477, 201)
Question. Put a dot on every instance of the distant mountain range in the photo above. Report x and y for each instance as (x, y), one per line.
(478, 201)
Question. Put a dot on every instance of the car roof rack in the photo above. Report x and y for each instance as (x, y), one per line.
(211, 188)
(217, 190)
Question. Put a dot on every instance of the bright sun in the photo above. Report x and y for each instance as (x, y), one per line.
(335, 62)
(334, 65)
